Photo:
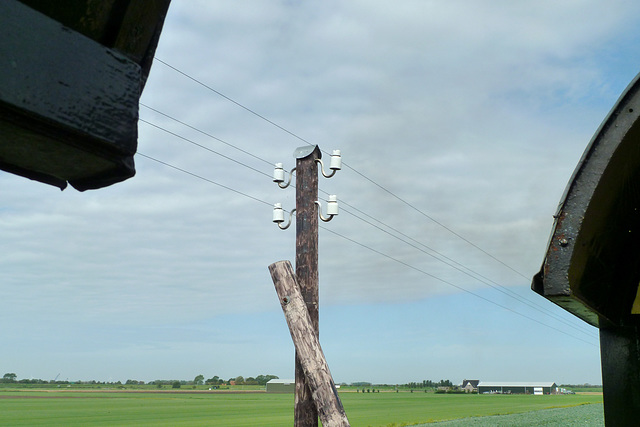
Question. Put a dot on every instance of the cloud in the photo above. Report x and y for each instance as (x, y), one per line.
(471, 114)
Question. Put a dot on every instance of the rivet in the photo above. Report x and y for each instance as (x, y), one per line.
(564, 242)
(286, 300)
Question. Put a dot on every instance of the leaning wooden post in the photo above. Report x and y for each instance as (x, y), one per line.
(305, 414)
(309, 352)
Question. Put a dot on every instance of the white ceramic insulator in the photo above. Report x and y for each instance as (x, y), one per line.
(336, 160)
(278, 213)
(332, 205)
(278, 173)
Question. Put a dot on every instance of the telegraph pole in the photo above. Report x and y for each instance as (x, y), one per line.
(306, 414)
(307, 211)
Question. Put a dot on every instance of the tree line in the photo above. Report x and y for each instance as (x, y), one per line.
(240, 380)
(215, 381)
(430, 384)
(11, 377)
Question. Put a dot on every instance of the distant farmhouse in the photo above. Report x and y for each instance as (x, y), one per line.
(281, 386)
(537, 388)
(470, 386)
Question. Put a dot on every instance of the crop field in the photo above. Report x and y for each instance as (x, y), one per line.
(183, 408)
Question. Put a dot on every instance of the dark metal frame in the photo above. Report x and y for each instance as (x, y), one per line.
(592, 264)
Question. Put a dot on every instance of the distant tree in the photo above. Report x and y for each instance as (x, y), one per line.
(215, 380)
(9, 378)
(239, 380)
(176, 384)
(199, 380)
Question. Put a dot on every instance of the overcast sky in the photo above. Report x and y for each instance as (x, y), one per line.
(458, 122)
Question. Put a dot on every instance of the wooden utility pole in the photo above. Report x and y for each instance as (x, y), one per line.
(306, 414)
(306, 285)
(311, 358)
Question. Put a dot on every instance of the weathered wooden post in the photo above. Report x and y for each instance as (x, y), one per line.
(323, 394)
(307, 214)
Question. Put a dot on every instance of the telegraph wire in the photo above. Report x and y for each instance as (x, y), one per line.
(459, 267)
(210, 181)
(368, 248)
(346, 165)
(437, 222)
(483, 279)
(207, 134)
(231, 100)
(419, 270)
(413, 207)
(475, 275)
(204, 147)
(209, 149)
(353, 207)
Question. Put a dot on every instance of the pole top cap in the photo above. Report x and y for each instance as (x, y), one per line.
(306, 151)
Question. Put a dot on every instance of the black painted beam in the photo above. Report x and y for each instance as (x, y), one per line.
(68, 105)
(620, 353)
(592, 264)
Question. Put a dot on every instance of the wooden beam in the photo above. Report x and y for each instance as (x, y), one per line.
(308, 349)
(68, 105)
(620, 358)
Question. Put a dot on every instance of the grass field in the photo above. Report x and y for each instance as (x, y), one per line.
(575, 416)
(100, 408)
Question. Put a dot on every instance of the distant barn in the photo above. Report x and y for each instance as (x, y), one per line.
(516, 387)
(281, 386)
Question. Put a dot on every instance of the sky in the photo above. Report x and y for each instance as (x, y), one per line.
(459, 123)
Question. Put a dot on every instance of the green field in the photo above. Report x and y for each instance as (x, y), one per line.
(102, 408)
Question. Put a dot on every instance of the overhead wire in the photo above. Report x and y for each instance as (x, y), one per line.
(195, 175)
(419, 270)
(235, 147)
(454, 285)
(391, 193)
(204, 147)
(346, 164)
(505, 291)
(458, 266)
(476, 276)
(255, 113)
